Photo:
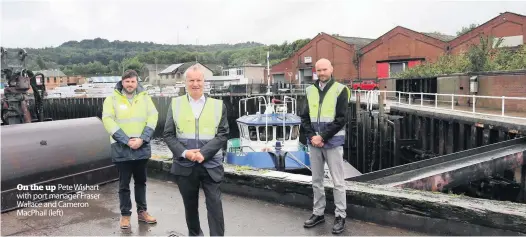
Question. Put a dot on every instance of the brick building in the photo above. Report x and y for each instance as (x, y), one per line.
(395, 51)
(402, 48)
(399, 49)
(509, 26)
(340, 50)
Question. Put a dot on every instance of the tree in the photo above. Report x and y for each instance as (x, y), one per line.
(467, 29)
(41, 63)
(485, 56)
(480, 55)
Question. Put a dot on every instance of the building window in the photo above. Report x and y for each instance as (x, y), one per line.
(239, 72)
(226, 73)
(397, 67)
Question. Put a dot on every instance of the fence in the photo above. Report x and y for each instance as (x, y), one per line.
(474, 104)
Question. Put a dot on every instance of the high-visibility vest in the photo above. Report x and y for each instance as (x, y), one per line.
(196, 132)
(321, 114)
(132, 117)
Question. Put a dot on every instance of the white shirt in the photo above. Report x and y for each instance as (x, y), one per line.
(197, 105)
(322, 85)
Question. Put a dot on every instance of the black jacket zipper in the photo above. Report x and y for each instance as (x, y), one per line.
(322, 96)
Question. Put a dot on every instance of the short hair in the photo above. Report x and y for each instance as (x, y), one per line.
(129, 74)
(196, 69)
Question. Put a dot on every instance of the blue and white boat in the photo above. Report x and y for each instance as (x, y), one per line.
(269, 140)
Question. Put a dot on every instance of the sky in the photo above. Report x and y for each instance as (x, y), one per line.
(40, 23)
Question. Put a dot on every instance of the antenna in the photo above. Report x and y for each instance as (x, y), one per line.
(268, 73)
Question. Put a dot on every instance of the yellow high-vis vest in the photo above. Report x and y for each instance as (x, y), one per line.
(195, 132)
(321, 114)
(132, 118)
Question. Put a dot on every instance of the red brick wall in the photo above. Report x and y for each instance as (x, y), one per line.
(503, 85)
(283, 67)
(493, 85)
(322, 46)
(399, 43)
(507, 24)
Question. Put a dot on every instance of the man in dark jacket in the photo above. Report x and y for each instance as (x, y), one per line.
(196, 130)
(323, 121)
(130, 117)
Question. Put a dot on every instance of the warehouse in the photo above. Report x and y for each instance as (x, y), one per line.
(399, 49)
(340, 50)
(508, 26)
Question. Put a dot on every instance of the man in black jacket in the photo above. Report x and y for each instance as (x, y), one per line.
(323, 121)
(195, 131)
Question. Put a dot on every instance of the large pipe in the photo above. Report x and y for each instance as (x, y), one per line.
(74, 151)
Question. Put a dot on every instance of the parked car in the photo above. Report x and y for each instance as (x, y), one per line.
(365, 85)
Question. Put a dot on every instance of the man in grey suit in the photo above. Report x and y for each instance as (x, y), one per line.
(196, 130)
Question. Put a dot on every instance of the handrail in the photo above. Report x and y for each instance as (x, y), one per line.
(246, 99)
(453, 101)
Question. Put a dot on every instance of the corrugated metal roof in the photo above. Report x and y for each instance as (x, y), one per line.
(108, 79)
(171, 68)
(439, 36)
(357, 41)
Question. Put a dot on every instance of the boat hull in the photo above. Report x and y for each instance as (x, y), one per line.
(264, 160)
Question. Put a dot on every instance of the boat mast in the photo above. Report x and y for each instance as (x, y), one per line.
(268, 97)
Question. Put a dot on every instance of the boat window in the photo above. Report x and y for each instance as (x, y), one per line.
(269, 136)
(242, 131)
(279, 133)
(252, 132)
(295, 132)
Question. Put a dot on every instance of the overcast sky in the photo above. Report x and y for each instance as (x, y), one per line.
(41, 23)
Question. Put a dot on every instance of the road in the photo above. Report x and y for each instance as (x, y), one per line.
(242, 217)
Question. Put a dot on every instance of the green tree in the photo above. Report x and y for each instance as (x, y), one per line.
(480, 55)
(41, 63)
(466, 29)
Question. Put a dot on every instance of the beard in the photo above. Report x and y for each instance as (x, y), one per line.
(129, 91)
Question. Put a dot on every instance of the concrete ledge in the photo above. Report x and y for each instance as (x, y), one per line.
(433, 213)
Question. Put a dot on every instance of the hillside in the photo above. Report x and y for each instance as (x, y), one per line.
(102, 57)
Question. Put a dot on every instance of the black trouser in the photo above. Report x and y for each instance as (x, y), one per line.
(137, 168)
(189, 188)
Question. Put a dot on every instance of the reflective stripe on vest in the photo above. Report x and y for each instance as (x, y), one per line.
(321, 114)
(190, 130)
(327, 111)
(131, 118)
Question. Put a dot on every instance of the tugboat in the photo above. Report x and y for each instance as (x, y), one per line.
(269, 140)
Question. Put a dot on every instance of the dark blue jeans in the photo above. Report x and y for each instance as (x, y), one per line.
(127, 169)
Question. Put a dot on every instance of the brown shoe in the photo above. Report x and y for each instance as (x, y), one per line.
(125, 222)
(145, 217)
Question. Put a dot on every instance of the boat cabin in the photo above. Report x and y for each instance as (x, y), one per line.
(260, 132)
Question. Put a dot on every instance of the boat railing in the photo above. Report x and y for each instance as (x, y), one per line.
(287, 99)
(251, 98)
(240, 149)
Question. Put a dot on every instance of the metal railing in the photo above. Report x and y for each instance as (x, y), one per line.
(449, 102)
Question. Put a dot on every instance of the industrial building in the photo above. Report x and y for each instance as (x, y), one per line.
(397, 50)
